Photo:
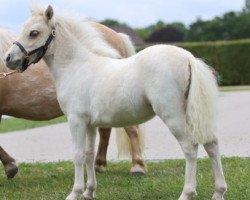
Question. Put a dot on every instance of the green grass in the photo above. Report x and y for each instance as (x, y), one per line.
(235, 88)
(164, 181)
(14, 124)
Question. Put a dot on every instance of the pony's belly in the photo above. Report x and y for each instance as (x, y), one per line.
(121, 119)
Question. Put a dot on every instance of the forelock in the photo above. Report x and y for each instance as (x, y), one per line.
(37, 10)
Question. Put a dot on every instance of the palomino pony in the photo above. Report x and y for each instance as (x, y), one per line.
(161, 80)
(39, 101)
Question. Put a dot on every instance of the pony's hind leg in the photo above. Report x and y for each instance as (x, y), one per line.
(176, 125)
(190, 151)
(212, 150)
(90, 155)
(138, 167)
(101, 156)
(175, 120)
(9, 163)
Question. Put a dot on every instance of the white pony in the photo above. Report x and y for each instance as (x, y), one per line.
(93, 92)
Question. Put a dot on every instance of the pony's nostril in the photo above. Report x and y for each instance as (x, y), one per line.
(8, 58)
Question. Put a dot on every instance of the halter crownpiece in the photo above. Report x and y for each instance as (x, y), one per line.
(40, 51)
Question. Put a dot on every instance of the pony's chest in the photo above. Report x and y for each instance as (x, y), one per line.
(72, 97)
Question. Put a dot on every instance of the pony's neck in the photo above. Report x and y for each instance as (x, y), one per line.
(66, 53)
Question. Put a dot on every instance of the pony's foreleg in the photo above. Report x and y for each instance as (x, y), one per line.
(78, 131)
(212, 150)
(138, 167)
(190, 151)
(9, 163)
(90, 156)
(101, 157)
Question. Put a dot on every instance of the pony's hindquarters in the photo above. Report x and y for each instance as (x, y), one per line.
(201, 103)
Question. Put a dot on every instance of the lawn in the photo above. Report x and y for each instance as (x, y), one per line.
(53, 181)
(15, 124)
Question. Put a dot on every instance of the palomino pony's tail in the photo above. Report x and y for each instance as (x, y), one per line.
(201, 107)
(130, 49)
(122, 139)
(123, 142)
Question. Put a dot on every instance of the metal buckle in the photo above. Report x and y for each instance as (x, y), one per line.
(53, 32)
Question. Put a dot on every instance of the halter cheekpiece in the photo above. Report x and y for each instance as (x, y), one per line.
(40, 51)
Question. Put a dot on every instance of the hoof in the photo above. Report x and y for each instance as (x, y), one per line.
(138, 170)
(11, 170)
(137, 173)
(87, 195)
(100, 168)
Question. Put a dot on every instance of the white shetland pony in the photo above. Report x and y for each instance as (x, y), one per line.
(93, 92)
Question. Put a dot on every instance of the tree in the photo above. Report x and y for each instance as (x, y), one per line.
(232, 25)
(166, 34)
(113, 23)
(145, 32)
(247, 5)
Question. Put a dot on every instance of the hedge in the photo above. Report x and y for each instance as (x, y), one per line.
(230, 58)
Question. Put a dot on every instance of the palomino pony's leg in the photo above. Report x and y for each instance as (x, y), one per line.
(101, 157)
(8, 163)
(90, 158)
(212, 150)
(138, 167)
(78, 131)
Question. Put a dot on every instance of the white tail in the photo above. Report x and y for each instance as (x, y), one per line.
(201, 106)
(123, 142)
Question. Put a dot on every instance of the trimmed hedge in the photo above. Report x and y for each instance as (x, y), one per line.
(230, 58)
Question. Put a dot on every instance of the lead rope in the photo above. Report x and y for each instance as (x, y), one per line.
(5, 74)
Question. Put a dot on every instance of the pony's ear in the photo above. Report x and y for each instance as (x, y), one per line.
(49, 13)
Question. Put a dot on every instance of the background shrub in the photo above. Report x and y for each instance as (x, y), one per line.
(230, 58)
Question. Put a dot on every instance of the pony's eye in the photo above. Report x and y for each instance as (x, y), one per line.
(33, 34)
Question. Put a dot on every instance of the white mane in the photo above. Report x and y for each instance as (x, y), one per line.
(7, 37)
(83, 30)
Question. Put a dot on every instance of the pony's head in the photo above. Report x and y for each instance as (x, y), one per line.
(34, 40)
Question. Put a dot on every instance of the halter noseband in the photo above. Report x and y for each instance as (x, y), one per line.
(40, 50)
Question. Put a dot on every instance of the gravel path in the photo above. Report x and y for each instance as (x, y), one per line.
(53, 143)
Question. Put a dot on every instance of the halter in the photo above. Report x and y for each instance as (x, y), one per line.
(40, 51)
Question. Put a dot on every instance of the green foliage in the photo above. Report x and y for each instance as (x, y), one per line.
(231, 26)
(231, 59)
(53, 181)
(247, 5)
(181, 27)
(144, 33)
(113, 23)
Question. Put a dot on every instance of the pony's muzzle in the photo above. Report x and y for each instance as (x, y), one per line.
(12, 62)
